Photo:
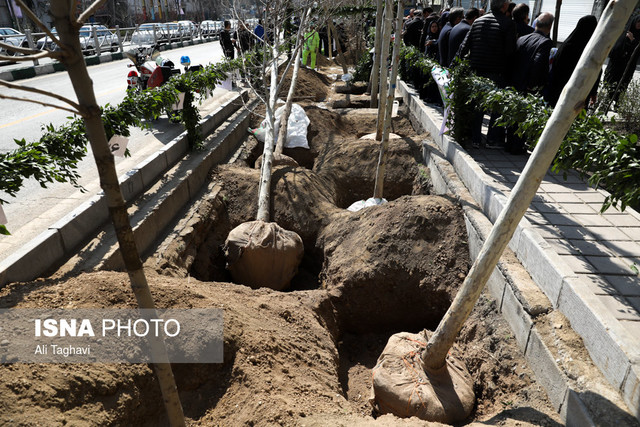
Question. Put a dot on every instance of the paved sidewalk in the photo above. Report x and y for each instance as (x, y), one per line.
(602, 249)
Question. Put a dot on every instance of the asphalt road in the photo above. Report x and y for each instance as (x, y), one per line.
(35, 208)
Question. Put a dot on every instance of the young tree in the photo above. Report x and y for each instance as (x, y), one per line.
(260, 253)
(68, 24)
(436, 367)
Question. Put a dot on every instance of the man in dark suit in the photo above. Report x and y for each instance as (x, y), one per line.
(459, 32)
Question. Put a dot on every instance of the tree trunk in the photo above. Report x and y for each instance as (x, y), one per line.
(267, 154)
(569, 106)
(375, 68)
(83, 87)
(384, 145)
(284, 118)
(384, 75)
(556, 22)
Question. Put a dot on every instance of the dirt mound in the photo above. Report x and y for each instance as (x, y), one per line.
(396, 265)
(352, 165)
(311, 85)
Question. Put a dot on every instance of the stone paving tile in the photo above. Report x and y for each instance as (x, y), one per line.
(548, 231)
(622, 220)
(536, 218)
(600, 285)
(591, 247)
(554, 188)
(620, 307)
(578, 264)
(575, 232)
(578, 208)
(633, 327)
(562, 246)
(608, 233)
(625, 285)
(592, 197)
(611, 265)
(632, 232)
(560, 219)
(546, 207)
(631, 249)
(565, 198)
(635, 302)
(592, 219)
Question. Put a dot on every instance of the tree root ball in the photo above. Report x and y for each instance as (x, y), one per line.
(401, 386)
(278, 160)
(263, 254)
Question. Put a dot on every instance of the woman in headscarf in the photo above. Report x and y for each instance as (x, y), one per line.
(430, 34)
(567, 58)
(620, 56)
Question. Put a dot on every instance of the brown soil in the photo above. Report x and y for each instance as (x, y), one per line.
(301, 357)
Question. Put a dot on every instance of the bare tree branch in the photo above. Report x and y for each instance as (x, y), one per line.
(41, 54)
(38, 22)
(41, 92)
(45, 104)
(90, 11)
(18, 49)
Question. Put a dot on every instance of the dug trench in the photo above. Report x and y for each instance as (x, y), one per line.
(303, 356)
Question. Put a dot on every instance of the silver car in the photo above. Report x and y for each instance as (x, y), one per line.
(105, 39)
(12, 37)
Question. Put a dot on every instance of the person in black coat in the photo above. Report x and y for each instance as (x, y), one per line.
(619, 58)
(489, 44)
(567, 58)
(431, 33)
(520, 16)
(227, 40)
(455, 16)
(459, 32)
(530, 69)
(413, 30)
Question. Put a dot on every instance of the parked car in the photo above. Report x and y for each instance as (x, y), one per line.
(144, 34)
(210, 29)
(105, 39)
(174, 31)
(12, 37)
(45, 43)
(188, 29)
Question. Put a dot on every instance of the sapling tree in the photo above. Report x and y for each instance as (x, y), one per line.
(68, 22)
(438, 386)
(261, 253)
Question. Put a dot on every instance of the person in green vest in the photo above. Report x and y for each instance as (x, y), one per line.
(311, 44)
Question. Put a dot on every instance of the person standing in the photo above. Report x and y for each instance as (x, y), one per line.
(258, 32)
(490, 43)
(520, 16)
(227, 40)
(567, 58)
(413, 30)
(530, 69)
(310, 48)
(459, 32)
(455, 16)
(620, 56)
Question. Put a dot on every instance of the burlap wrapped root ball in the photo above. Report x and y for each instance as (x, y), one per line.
(402, 387)
(263, 254)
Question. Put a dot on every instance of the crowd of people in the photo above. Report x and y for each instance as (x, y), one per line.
(501, 45)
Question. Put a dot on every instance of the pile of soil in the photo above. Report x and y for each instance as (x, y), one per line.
(302, 357)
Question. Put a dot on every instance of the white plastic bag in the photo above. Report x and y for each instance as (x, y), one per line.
(361, 204)
(296, 129)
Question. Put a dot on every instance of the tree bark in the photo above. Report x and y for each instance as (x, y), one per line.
(83, 86)
(284, 118)
(569, 106)
(384, 75)
(378, 189)
(375, 68)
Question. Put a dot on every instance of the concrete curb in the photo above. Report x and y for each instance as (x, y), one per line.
(53, 67)
(51, 248)
(149, 223)
(601, 334)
